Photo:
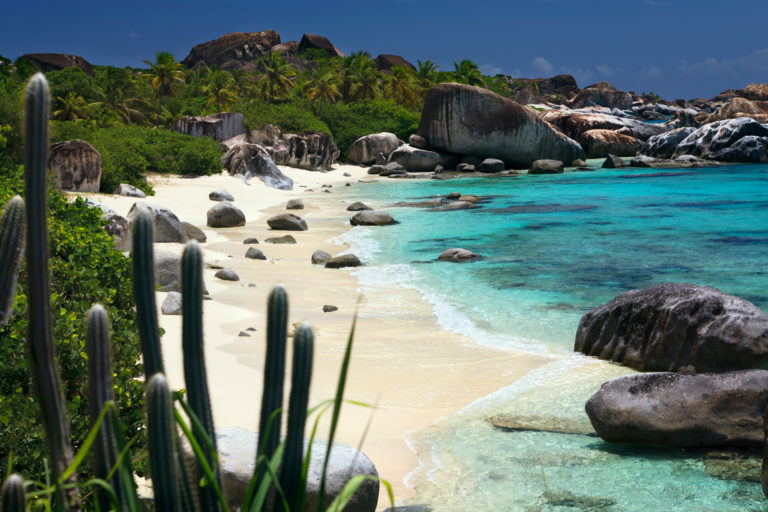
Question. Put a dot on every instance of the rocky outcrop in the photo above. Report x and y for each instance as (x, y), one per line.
(236, 50)
(317, 42)
(754, 92)
(367, 149)
(168, 227)
(253, 160)
(384, 62)
(664, 144)
(718, 141)
(676, 327)
(469, 120)
(613, 162)
(314, 151)
(286, 49)
(221, 126)
(76, 165)
(287, 222)
(741, 107)
(372, 218)
(670, 409)
(600, 143)
(420, 160)
(55, 61)
(225, 215)
(575, 124)
(602, 94)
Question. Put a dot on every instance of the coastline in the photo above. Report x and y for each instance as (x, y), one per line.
(403, 361)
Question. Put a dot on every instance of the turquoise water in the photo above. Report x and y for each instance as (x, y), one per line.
(554, 247)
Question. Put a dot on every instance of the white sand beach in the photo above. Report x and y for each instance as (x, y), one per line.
(402, 361)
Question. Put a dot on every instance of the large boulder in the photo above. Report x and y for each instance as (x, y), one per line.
(664, 144)
(575, 124)
(236, 50)
(720, 135)
(221, 126)
(372, 218)
(343, 261)
(676, 327)
(124, 189)
(76, 166)
(168, 227)
(367, 148)
(314, 151)
(317, 42)
(119, 229)
(670, 409)
(46, 62)
(287, 222)
(253, 160)
(167, 270)
(384, 62)
(754, 92)
(741, 107)
(747, 149)
(469, 120)
(602, 94)
(237, 456)
(600, 143)
(416, 160)
(225, 215)
(546, 167)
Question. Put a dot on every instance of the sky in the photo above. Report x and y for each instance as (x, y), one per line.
(675, 48)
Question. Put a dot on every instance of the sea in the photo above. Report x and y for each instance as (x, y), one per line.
(554, 247)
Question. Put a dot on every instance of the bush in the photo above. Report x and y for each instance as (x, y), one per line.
(128, 152)
(84, 269)
(295, 116)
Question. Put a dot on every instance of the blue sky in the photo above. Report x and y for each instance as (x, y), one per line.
(678, 48)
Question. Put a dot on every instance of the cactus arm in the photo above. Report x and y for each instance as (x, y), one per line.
(290, 472)
(144, 292)
(13, 497)
(163, 445)
(99, 393)
(11, 249)
(194, 361)
(41, 347)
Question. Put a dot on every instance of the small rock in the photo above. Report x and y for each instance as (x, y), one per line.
(457, 254)
(417, 141)
(252, 329)
(376, 169)
(320, 257)
(469, 198)
(220, 195)
(227, 274)
(454, 205)
(372, 218)
(250, 241)
(613, 162)
(285, 239)
(345, 260)
(491, 165)
(453, 196)
(287, 222)
(546, 166)
(194, 232)
(578, 163)
(172, 304)
(254, 254)
(439, 169)
(225, 215)
(124, 189)
(326, 191)
(329, 308)
(347, 185)
(295, 204)
(251, 285)
(347, 175)
(244, 334)
(213, 266)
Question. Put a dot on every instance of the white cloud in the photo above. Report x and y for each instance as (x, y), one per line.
(738, 68)
(653, 72)
(543, 66)
(133, 33)
(606, 71)
(490, 70)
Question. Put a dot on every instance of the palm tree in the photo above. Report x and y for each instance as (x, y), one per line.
(73, 107)
(426, 73)
(165, 76)
(467, 72)
(277, 76)
(117, 95)
(220, 89)
(399, 86)
(324, 87)
(366, 85)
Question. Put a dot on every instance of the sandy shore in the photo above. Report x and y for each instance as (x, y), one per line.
(402, 361)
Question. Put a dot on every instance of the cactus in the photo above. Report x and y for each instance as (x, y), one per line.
(13, 497)
(194, 360)
(290, 472)
(144, 292)
(274, 374)
(163, 455)
(99, 393)
(11, 249)
(41, 348)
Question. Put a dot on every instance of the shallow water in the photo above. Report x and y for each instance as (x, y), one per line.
(555, 247)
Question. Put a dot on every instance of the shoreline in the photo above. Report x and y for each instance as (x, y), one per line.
(403, 361)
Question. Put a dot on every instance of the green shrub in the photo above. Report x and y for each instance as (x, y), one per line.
(84, 269)
(295, 116)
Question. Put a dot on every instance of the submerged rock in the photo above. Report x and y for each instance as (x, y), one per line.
(514, 423)
(458, 254)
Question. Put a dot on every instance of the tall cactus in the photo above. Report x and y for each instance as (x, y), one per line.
(274, 373)
(99, 393)
(163, 445)
(11, 249)
(293, 456)
(13, 497)
(41, 348)
(194, 359)
(144, 292)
